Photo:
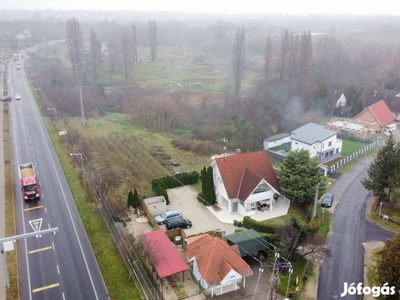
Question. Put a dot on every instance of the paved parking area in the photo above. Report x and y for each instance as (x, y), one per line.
(203, 219)
(185, 199)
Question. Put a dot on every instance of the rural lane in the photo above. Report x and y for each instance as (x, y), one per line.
(349, 229)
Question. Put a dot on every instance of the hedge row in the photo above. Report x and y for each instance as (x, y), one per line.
(249, 223)
(160, 185)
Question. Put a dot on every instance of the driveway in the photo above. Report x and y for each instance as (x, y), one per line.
(185, 199)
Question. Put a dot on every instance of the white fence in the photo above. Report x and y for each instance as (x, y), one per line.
(349, 158)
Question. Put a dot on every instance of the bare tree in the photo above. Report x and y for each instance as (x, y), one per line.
(305, 60)
(267, 58)
(332, 60)
(284, 55)
(112, 55)
(314, 245)
(75, 48)
(134, 40)
(153, 39)
(292, 61)
(95, 54)
(239, 60)
(126, 51)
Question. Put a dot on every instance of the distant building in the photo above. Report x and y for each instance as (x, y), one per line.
(376, 116)
(23, 36)
(341, 102)
(350, 127)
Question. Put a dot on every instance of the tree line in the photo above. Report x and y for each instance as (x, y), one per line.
(298, 71)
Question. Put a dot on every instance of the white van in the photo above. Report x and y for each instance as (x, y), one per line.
(389, 128)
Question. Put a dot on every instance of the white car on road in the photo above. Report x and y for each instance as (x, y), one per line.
(17, 97)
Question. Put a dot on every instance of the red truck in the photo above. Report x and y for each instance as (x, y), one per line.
(30, 185)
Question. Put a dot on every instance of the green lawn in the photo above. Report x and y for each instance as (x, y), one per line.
(349, 147)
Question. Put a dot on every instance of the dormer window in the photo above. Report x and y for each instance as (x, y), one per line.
(261, 188)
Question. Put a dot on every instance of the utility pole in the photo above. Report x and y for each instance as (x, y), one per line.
(82, 111)
(316, 200)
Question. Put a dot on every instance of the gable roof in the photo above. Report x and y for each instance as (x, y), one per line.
(241, 173)
(391, 98)
(381, 112)
(312, 133)
(248, 241)
(215, 259)
(166, 258)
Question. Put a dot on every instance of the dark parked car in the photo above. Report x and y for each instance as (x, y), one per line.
(327, 201)
(178, 223)
(6, 98)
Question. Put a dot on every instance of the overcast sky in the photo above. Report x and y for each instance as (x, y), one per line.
(217, 6)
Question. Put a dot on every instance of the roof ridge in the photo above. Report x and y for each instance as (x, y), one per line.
(209, 257)
(245, 168)
(241, 181)
(372, 111)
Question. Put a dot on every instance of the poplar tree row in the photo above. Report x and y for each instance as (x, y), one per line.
(207, 186)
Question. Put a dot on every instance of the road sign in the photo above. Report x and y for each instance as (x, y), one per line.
(36, 225)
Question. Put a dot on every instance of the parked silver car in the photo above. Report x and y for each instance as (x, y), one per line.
(168, 215)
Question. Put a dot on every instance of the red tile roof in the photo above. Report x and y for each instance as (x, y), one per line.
(215, 259)
(381, 112)
(166, 259)
(241, 173)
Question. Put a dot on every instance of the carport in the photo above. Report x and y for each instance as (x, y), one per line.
(165, 257)
(250, 242)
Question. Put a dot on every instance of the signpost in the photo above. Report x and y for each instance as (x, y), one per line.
(6, 244)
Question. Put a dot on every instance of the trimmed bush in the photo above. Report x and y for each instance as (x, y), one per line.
(260, 227)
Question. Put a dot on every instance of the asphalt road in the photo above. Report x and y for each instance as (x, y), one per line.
(349, 230)
(60, 266)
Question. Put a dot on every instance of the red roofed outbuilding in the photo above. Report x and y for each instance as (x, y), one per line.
(166, 259)
(216, 265)
(245, 181)
(376, 116)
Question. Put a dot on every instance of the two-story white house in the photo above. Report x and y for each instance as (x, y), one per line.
(245, 182)
(322, 143)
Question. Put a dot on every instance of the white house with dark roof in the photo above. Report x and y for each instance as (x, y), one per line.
(322, 143)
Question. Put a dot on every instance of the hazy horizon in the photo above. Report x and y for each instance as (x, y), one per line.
(384, 7)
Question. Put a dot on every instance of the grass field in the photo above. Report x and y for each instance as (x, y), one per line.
(113, 269)
(12, 293)
(349, 147)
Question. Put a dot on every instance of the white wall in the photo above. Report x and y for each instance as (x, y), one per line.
(319, 149)
(156, 205)
(276, 143)
(296, 145)
(220, 191)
